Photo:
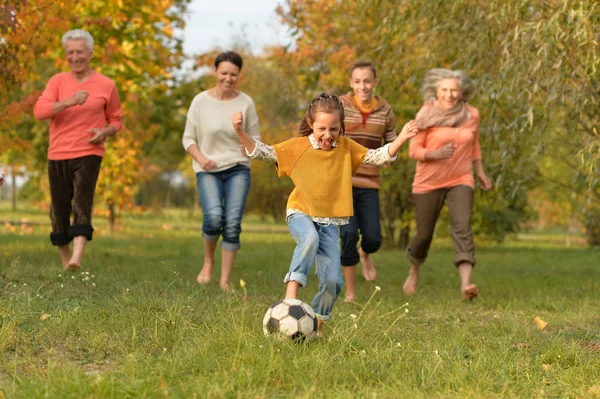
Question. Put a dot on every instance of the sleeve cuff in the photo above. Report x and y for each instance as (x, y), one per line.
(387, 151)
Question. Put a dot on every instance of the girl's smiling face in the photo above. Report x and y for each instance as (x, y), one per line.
(326, 128)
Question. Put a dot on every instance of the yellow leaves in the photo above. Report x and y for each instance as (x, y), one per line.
(539, 323)
(45, 316)
(127, 48)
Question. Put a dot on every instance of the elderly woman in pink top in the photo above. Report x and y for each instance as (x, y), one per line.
(84, 110)
(447, 150)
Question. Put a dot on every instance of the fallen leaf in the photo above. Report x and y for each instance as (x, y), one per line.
(522, 345)
(45, 316)
(547, 367)
(541, 324)
(593, 346)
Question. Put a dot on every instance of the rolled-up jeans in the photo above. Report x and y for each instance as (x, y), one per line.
(316, 243)
(223, 197)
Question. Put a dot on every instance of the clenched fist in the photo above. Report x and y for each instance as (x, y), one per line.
(238, 121)
(79, 98)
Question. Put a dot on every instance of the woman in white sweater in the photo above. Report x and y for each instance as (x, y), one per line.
(222, 168)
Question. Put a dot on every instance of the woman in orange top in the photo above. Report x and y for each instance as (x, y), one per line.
(446, 150)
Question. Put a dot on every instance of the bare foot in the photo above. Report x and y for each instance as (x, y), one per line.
(469, 292)
(349, 299)
(225, 286)
(72, 267)
(204, 276)
(65, 256)
(410, 285)
(368, 267)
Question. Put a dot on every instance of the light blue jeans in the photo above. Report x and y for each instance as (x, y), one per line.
(318, 243)
(223, 197)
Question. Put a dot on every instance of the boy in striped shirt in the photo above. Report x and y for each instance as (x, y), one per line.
(370, 121)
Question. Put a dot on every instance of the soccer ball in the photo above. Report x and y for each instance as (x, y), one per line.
(291, 318)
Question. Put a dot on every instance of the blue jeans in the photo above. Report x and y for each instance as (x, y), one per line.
(365, 220)
(316, 243)
(223, 197)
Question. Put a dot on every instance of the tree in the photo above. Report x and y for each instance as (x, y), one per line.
(135, 46)
(535, 63)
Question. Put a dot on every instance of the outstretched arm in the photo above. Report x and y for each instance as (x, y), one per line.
(388, 152)
(409, 131)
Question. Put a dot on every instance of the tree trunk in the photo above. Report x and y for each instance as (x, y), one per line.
(404, 237)
(13, 188)
(111, 218)
(168, 195)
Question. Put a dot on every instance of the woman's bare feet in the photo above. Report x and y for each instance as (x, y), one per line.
(349, 299)
(205, 273)
(469, 292)
(410, 285)
(368, 267)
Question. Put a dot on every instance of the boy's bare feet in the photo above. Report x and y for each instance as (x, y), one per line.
(469, 292)
(410, 285)
(349, 299)
(368, 267)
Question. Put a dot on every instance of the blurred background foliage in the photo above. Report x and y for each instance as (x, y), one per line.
(535, 65)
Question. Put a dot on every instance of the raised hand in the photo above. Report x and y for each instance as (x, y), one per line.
(446, 151)
(80, 97)
(237, 118)
(410, 130)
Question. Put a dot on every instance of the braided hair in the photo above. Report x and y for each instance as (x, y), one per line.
(324, 102)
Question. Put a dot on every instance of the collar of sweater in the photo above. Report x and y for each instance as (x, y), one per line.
(313, 142)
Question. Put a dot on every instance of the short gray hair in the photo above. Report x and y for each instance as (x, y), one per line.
(435, 75)
(78, 34)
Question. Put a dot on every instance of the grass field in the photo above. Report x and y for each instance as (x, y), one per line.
(135, 324)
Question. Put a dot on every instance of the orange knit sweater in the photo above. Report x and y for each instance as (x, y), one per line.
(69, 129)
(446, 173)
(322, 179)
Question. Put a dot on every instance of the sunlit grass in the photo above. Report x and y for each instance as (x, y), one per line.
(135, 324)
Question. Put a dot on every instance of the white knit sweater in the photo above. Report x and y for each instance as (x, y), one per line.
(209, 126)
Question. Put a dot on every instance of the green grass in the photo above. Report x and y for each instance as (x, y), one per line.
(138, 326)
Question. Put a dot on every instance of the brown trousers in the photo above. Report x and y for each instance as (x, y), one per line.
(72, 186)
(428, 207)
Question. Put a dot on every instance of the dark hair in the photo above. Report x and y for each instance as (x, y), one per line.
(322, 103)
(230, 56)
(364, 64)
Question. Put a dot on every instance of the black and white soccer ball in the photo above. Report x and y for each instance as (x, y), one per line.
(291, 318)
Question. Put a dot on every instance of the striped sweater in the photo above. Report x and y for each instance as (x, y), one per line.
(371, 131)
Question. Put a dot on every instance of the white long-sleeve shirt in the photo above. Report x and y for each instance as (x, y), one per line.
(209, 126)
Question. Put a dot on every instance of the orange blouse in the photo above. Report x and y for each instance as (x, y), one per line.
(445, 173)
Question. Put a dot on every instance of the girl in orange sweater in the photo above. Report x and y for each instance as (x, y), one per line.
(321, 163)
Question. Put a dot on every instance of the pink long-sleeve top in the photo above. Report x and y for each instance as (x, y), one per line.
(69, 129)
(445, 173)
